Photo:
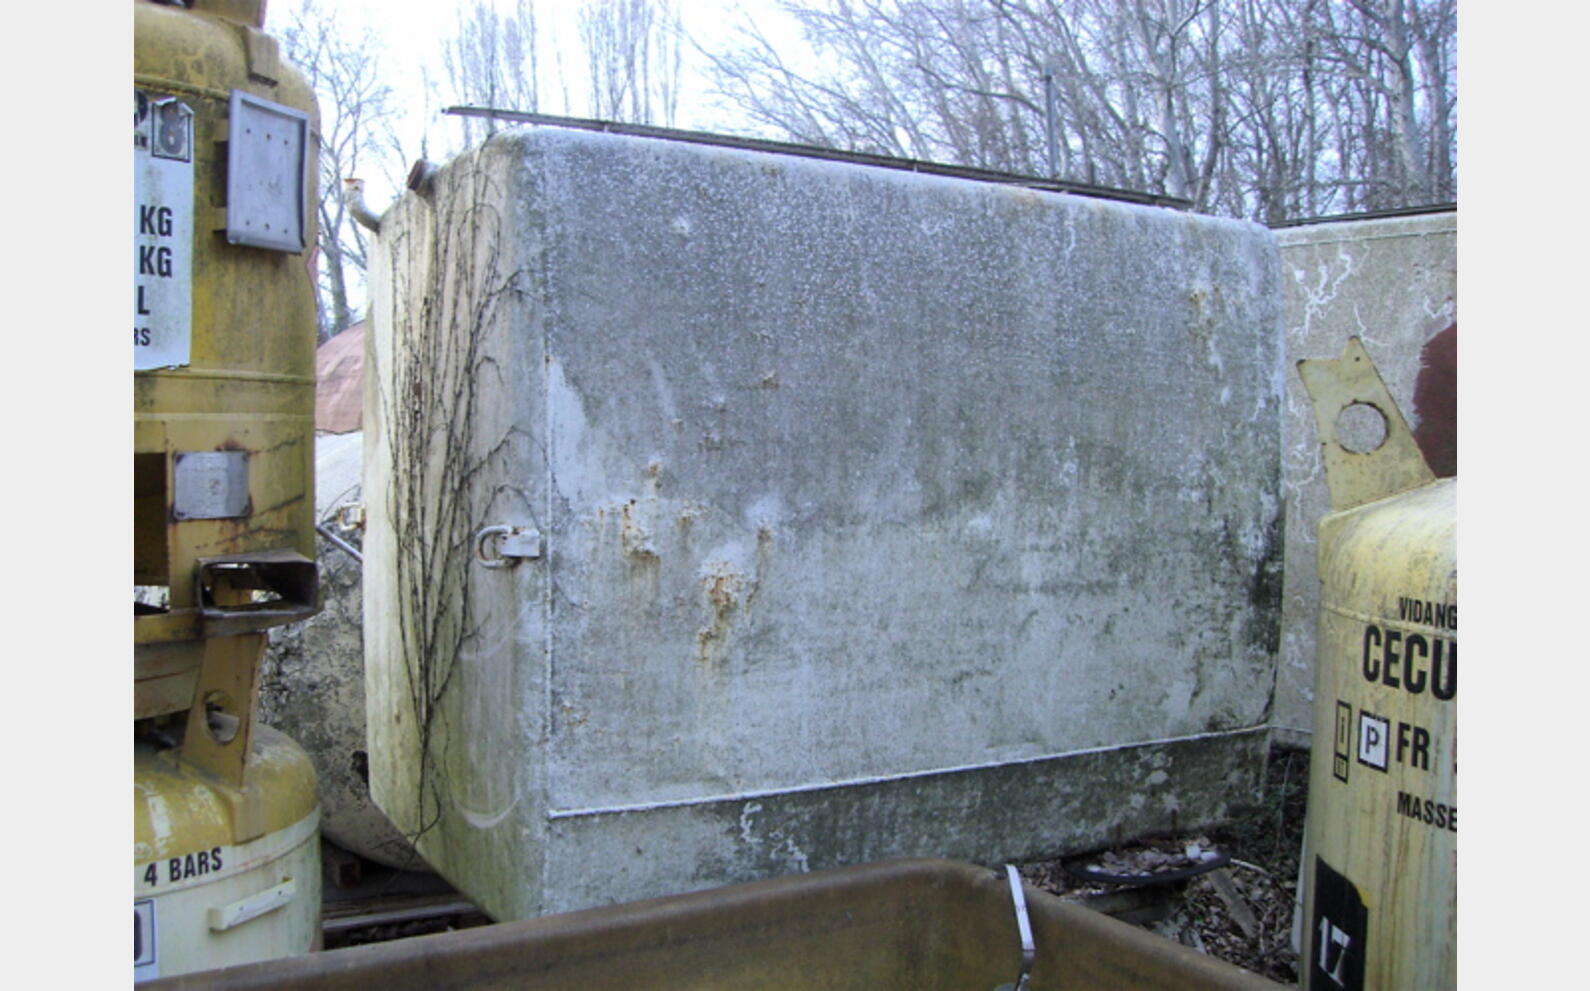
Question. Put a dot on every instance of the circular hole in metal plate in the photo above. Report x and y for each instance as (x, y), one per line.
(1361, 428)
(220, 718)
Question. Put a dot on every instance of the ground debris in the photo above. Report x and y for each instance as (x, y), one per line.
(1236, 905)
(1241, 912)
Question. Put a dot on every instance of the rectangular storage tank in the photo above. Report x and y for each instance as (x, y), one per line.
(878, 514)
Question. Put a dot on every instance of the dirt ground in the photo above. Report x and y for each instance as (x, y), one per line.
(1241, 911)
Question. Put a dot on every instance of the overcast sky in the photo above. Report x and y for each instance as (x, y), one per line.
(411, 37)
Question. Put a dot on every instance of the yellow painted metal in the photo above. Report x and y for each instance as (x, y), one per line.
(1380, 871)
(1356, 477)
(248, 385)
(204, 898)
(217, 733)
(226, 842)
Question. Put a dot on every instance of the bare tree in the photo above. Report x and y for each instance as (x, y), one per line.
(633, 56)
(963, 80)
(1396, 58)
(1256, 108)
(356, 112)
(494, 60)
(633, 61)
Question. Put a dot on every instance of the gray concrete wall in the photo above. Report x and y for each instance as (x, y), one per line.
(1393, 283)
(885, 514)
(312, 677)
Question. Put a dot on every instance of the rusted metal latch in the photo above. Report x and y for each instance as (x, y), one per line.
(503, 546)
(1029, 951)
(350, 516)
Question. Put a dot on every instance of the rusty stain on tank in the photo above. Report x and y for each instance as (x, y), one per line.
(725, 591)
(634, 535)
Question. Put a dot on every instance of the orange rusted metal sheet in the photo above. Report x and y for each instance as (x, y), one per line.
(918, 924)
(339, 382)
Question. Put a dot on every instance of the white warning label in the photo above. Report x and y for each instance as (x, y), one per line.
(162, 231)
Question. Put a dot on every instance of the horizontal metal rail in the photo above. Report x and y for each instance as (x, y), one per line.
(879, 779)
(1336, 218)
(826, 154)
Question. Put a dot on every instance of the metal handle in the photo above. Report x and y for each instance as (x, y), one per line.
(230, 916)
(1029, 951)
(513, 544)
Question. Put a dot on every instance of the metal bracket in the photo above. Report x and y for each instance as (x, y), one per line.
(1029, 950)
(507, 545)
(220, 729)
(1356, 476)
(225, 584)
(264, 55)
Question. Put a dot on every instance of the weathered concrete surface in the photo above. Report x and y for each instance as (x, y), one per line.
(312, 679)
(1392, 283)
(873, 502)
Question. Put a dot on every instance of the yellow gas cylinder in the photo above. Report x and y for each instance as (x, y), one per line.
(1380, 873)
(224, 146)
(200, 898)
(226, 853)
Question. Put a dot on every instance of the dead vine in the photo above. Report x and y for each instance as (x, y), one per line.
(431, 409)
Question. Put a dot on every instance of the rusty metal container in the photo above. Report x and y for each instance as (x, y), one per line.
(918, 924)
(1380, 857)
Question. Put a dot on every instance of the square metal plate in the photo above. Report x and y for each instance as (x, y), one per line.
(210, 485)
(267, 174)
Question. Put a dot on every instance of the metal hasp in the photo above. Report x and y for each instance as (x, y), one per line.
(911, 925)
(503, 546)
(1380, 847)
